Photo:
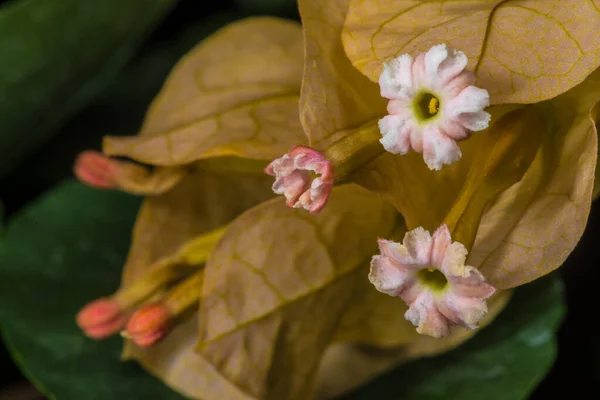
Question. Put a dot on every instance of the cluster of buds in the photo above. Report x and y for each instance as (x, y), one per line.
(145, 310)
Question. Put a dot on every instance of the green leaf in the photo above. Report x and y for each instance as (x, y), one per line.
(56, 255)
(56, 56)
(119, 109)
(505, 361)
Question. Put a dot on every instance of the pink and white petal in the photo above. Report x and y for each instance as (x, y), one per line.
(457, 84)
(319, 201)
(471, 99)
(475, 121)
(454, 261)
(419, 75)
(395, 138)
(400, 107)
(439, 149)
(306, 158)
(452, 66)
(291, 186)
(396, 79)
(418, 244)
(281, 166)
(453, 129)
(473, 285)
(469, 310)
(411, 290)
(425, 316)
(314, 199)
(416, 136)
(433, 59)
(387, 277)
(443, 307)
(397, 252)
(441, 240)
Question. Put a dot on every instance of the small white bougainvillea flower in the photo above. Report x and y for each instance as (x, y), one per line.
(433, 104)
(430, 275)
(294, 178)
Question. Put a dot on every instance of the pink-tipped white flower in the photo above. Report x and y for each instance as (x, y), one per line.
(294, 179)
(433, 104)
(430, 275)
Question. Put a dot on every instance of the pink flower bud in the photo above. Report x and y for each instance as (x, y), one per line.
(293, 178)
(101, 318)
(96, 170)
(149, 324)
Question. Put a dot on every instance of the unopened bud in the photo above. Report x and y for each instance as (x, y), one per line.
(101, 318)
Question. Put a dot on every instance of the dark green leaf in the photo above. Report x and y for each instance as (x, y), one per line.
(505, 361)
(58, 254)
(56, 56)
(120, 108)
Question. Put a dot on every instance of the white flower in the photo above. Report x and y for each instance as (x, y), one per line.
(430, 275)
(432, 105)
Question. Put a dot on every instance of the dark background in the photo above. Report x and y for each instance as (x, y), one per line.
(577, 368)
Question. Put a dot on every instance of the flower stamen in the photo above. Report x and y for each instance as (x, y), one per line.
(426, 106)
(433, 105)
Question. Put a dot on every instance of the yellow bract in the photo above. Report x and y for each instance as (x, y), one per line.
(522, 51)
(166, 224)
(277, 284)
(532, 227)
(506, 152)
(235, 94)
(335, 97)
(543, 204)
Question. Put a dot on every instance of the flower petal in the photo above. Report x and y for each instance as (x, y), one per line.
(418, 244)
(452, 66)
(468, 310)
(388, 277)
(454, 129)
(473, 284)
(475, 121)
(454, 261)
(396, 134)
(471, 99)
(396, 79)
(425, 316)
(291, 186)
(419, 74)
(439, 149)
(441, 240)
(433, 59)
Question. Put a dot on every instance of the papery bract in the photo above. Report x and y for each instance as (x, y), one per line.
(522, 52)
(232, 95)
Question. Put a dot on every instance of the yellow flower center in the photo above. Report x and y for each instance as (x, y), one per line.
(433, 279)
(433, 106)
(426, 106)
